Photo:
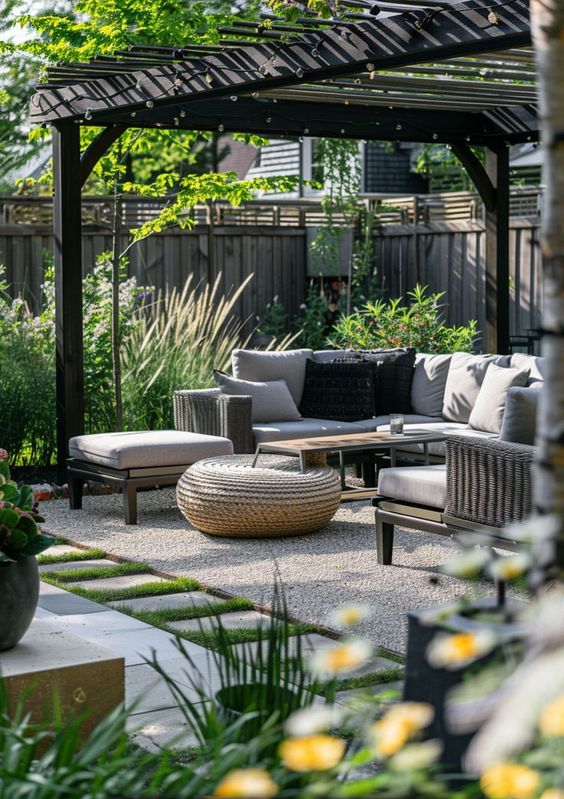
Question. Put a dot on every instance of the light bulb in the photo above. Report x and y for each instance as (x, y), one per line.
(221, 128)
(300, 72)
(88, 113)
(234, 98)
(150, 104)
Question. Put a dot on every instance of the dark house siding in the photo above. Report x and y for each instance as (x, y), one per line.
(387, 168)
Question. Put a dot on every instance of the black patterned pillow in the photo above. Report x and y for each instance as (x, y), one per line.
(393, 373)
(340, 391)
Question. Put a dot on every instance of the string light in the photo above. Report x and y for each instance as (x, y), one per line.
(221, 128)
(150, 104)
(299, 72)
(88, 113)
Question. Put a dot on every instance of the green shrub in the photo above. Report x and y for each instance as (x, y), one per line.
(391, 323)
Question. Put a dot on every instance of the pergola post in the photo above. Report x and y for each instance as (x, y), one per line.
(68, 287)
(496, 334)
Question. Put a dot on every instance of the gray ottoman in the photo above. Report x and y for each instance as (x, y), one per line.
(136, 460)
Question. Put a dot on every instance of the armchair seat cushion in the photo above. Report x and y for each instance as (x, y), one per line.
(307, 428)
(421, 485)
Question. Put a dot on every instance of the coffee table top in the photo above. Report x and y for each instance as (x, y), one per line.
(352, 442)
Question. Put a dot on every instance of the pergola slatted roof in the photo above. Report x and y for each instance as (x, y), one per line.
(420, 71)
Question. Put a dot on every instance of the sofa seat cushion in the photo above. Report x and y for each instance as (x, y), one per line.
(372, 425)
(428, 384)
(487, 413)
(307, 428)
(144, 449)
(420, 485)
(288, 365)
(271, 400)
(437, 447)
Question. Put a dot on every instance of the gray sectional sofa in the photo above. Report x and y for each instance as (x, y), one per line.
(446, 395)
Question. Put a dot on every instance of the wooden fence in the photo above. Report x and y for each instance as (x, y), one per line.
(438, 240)
(449, 257)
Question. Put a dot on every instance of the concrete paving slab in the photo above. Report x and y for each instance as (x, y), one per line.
(124, 581)
(146, 690)
(105, 622)
(44, 615)
(160, 728)
(246, 619)
(187, 600)
(57, 600)
(61, 549)
(65, 566)
(309, 643)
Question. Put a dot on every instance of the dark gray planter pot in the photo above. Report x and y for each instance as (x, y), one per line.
(19, 592)
(423, 683)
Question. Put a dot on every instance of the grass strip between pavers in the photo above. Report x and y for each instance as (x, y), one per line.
(71, 557)
(240, 636)
(105, 595)
(163, 615)
(374, 678)
(94, 573)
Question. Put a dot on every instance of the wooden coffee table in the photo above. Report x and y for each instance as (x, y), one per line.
(357, 442)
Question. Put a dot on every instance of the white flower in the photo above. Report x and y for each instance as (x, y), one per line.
(509, 567)
(467, 565)
(454, 651)
(535, 528)
(342, 657)
(311, 720)
(417, 756)
(303, 306)
(347, 615)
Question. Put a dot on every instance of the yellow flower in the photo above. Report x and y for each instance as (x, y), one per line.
(551, 721)
(248, 783)
(458, 650)
(553, 793)
(509, 781)
(399, 724)
(349, 615)
(312, 752)
(345, 656)
(509, 567)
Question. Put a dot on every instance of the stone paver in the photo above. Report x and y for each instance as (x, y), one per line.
(103, 623)
(61, 549)
(57, 600)
(354, 696)
(66, 566)
(154, 730)
(246, 619)
(124, 581)
(309, 643)
(146, 690)
(188, 600)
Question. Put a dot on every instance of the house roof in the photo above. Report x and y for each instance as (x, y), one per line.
(431, 71)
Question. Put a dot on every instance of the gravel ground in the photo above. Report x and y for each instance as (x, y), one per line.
(319, 571)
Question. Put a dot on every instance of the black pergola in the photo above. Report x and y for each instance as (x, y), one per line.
(404, 70)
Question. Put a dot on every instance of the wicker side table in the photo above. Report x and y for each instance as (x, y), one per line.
(227, 496)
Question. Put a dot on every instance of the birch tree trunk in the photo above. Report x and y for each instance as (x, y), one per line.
(547, 23)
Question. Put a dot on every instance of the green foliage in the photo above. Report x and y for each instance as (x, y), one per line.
(20, 536)
(27, 376)
(312, 319)
(275, 321)
(391, 323)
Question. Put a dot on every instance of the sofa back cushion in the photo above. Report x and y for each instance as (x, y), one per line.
(533, 363)
(271, 399)
(327, 356)
(340, 391)
(260, 367)
(487, 413)
(428, 385)
(520, 418)
(465, 375)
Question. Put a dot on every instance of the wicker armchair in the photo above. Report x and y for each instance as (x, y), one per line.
(488, 485)
(212, 413)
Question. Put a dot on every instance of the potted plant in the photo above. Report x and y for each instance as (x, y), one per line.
(20, 541)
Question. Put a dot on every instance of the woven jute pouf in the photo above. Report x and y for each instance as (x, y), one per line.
(227, 496)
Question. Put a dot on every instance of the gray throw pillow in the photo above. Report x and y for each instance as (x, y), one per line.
(428, 384)
(520, 418)
(465, 376)
(487, 414)
(272, 401)
(288, 365)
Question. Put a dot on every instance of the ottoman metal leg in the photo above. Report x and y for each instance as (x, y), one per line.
(75, 492)
(130, 503)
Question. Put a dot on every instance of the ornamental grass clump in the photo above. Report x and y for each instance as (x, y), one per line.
(20, 536)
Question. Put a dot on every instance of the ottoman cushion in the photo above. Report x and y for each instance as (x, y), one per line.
(145, 449)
